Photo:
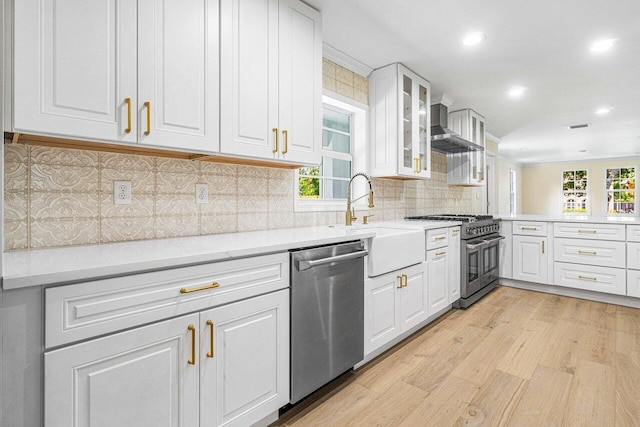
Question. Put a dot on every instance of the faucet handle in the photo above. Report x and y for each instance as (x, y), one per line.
(353, 214)
(365, 218)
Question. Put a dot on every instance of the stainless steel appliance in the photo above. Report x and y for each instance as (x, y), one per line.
(444, 139)
(327, 314)
(479, 252)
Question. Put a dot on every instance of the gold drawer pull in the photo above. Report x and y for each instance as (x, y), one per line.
(456, 230)
(148, 107)
(202, 288)
(406, 280)
(192, 361)
(587, 252)
(440, 238)
(417, 164)
(401, 278)
(529, 228)
(441, 253)
(587, 278)
(210, 352)
(582, 230)
(285, 135)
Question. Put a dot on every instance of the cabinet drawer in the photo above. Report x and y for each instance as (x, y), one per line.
(633, 283)
(591, 278)
(633, 233)
(88, 309)
(530, 228)
(589, 231)
(437, 238)
(591, 252)
(633, 255)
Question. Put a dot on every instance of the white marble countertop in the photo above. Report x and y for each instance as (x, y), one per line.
(573, 218)
(77, 263)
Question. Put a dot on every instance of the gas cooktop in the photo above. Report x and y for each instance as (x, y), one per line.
(451, 217)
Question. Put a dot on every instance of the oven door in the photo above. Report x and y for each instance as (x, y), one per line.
(480, 264)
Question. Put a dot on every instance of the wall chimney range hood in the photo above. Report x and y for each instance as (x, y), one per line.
(444, 139)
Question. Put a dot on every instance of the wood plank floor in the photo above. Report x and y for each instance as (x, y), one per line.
(515, 358)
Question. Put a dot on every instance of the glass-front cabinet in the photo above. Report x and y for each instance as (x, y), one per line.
(467, 168)
(400, 123)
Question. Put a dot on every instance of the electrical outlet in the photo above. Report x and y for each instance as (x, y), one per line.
(122, 192)
(202, 193)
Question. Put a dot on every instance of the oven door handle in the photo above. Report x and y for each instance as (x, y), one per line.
(495, 239)
(307, 264)
(477, 245)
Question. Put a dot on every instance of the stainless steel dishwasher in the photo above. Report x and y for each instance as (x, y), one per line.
(327, 314)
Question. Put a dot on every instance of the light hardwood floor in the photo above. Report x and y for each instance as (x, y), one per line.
(515, 358)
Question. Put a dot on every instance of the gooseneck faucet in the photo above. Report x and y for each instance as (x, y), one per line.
(351, 212)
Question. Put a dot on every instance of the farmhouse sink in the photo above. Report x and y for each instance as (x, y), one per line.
(394, 248)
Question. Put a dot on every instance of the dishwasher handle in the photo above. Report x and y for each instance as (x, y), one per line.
(305, 265)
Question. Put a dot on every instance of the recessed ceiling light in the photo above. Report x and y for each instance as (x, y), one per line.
(602, 111)
(602, 45)
(517, 91)
(582, 151)
(472, 39)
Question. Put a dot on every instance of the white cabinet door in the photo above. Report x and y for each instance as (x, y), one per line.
(454, 264)
(438, 264)
(244, 360)
(271, 80)
(142, 377)
(300, 84)
(506, 250)
(178, 67)
(633, 283)
(74, 66)
(530, 258)
(414, 304)
(381, 310)
(249, 78)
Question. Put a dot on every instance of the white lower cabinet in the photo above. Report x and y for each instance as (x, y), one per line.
(633, 283)
(591, 278)
(185, 371)
(530, 259)
(506, 250)
(454, 264)
(394, 303)
(437, 266)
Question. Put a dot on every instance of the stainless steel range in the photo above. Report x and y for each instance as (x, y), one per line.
(479, 251)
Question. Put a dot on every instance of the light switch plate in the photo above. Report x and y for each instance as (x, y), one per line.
(122, 192)
(202, 193)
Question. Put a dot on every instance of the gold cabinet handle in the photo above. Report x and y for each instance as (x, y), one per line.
(128, 102)
(148, 107)
(285, 135)
(456, 230)
(417, 164)
(275, 137)
(441, 253)
(542, 246)
(529, 228)
(201, 288)
(587, 252)
(581, 230)
(400, 277)
(406, 280)
(440, 238)
(210, 352)
(594, 279)
(192, 361)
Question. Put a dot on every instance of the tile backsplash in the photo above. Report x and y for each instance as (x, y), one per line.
(58, 197)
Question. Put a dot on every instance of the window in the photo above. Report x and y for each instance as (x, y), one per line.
(324, 187)
(575, 191)
(512, 192)
(329, 181)
(620, 187)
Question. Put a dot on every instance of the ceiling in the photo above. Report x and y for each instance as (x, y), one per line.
(542, 45)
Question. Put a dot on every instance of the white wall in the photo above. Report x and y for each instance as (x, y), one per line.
(542, 189)
(503, 167)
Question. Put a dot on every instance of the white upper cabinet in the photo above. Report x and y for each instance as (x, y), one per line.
(127, 71)
(467, 168)
(178, 74)
(271, 80)
(74, 66)
(400, 123)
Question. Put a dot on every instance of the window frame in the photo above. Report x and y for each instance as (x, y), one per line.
(358, 155)
(606, 192)
(587, 191)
